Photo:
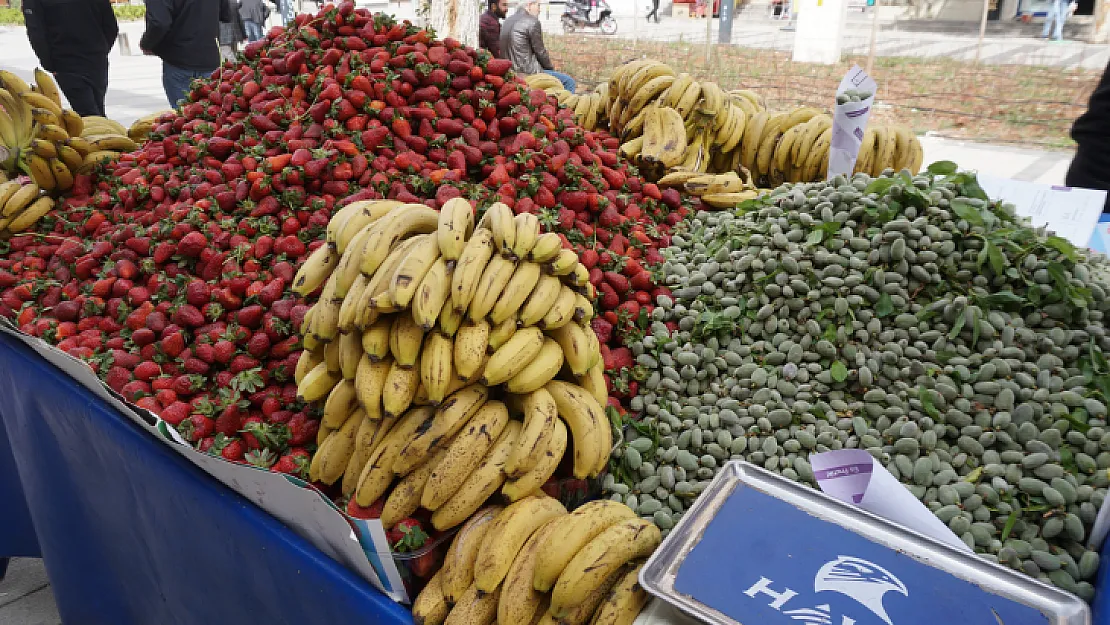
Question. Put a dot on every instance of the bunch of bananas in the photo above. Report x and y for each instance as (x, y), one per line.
(35, 132)
(140, 129)
(532, 562)
(107, 139)
(451, 359)
(671, 121)
(21, 205)
(590, 109)
(676, 129)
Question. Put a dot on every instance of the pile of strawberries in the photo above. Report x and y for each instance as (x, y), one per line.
(169, 271)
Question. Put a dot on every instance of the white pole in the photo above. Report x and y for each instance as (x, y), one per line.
(708, 32)
(982, 30)
(874, 35)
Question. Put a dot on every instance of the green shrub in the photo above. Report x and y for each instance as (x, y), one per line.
(129, 12)
(124, 13)
(11, 16)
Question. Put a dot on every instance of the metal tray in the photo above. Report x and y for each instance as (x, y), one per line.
(960, 571)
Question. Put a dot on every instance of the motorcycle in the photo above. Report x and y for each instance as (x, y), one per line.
(576, 16)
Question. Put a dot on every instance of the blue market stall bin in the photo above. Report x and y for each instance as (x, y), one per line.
(17, 534)
(132, 533)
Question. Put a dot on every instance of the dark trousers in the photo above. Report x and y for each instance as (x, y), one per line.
(654, 10)
(85, 89)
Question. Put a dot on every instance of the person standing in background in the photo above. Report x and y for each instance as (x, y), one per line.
(1058, 13)
(522, 43)
(654, 11)
(1090, 168)
(285, 10)
(489, 27)
(72, 39)
(231, 35)
(254, 14)
(185, 35)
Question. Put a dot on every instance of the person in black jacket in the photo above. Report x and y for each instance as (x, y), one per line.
(184, 34)
(1091, 166)
(72, 39)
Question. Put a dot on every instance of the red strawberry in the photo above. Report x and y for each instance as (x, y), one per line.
(223, 352)
(373, 511)
(147, 371)
(602, 328)
(173, 344)
(188, 316)
(175, 413)
(293, 465)
(196, 427)
(192, 244)
(233, 450)
(229, 421)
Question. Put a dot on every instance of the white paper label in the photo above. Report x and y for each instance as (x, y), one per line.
(849, 122)
(853, 476)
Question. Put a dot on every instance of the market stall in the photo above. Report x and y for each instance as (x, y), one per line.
(419, 309)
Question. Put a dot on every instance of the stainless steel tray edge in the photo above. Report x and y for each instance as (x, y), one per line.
(658, 574)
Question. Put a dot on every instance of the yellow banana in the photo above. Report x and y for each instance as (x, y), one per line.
(364, 440)
(540, 300)
(404, 498)
(362, 214)
(430, 606)
(457, 573)
(547, 247)
(411, 271)
(561, 311)
(471, 342)
(474, 608)
(545, 467)
(450, 417)
(499, 220)
(480, 484)
(542, 369)
(470, 267)
(331, 459)
(494, 279)
(520, 602)
(405, 220)
(593, 436)
(400, 388)
(405, 339)
(437, 369)
(603, 556)
(31, 214)
(527, 228)
(465, 453)
(315, 270)
(512, 357)
(540, 415)
(377, 475)
(456, 223)
(340, 404)
(63, 177)
(41, 172)
(518, 288)
(573, 532)
(508, 533)
(45, 85)
(317, 383)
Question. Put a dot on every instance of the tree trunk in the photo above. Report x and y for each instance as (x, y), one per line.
(455, 18)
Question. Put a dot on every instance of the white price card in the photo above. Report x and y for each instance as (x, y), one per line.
(1071, 213)
(849, 121)
(853, 476)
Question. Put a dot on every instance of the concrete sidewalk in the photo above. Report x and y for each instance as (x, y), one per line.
(25, 595)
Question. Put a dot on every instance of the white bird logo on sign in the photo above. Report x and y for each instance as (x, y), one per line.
(864, 581)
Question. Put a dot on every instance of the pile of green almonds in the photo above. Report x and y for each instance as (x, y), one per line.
(908, 316)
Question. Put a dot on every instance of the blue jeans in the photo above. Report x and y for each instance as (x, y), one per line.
(285, 10)
(176, 80)
(1058, 12)
(254, 30)
(568, 82)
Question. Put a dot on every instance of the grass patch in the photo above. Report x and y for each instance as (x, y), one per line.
(124, 13)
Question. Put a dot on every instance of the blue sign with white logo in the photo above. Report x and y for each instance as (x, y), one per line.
(761, 561)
